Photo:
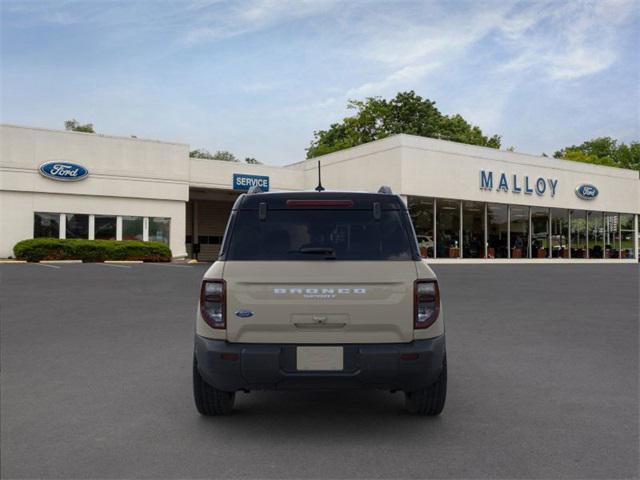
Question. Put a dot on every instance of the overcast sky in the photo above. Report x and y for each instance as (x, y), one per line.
(258, 77)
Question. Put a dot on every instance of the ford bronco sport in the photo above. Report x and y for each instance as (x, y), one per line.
(319, 290)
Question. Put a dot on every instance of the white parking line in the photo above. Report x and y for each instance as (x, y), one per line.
(113, 265)
(170, 265)
(46, 265)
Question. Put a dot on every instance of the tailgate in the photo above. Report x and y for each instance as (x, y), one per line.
(320, 302)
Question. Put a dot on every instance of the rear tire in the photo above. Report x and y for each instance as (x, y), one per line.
(209, 400)
(429, 400)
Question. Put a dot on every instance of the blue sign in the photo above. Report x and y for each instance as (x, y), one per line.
(245, 182)
(586, 191)
(518, 183)
(63, 171)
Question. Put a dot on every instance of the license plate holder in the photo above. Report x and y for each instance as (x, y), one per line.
(309, 359)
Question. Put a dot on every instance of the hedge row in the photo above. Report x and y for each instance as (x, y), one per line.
(37, 249)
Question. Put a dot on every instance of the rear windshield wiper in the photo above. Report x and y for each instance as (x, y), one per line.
(329, 252)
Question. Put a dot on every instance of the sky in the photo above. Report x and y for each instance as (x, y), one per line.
(258, 77)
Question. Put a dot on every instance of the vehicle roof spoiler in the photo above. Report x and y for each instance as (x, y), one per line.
(386, 190)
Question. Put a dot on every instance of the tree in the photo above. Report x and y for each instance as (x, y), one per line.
(377, 118)
(225, 156)
(219, 155)
(604, 151)
(201, 153)
(75, 126)
(252, 161)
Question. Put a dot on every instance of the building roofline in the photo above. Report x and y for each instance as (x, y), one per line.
(118, 137)
(363, 146)
(526, 158)
(431, 144)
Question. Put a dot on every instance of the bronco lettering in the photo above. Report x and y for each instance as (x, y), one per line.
(314, 292)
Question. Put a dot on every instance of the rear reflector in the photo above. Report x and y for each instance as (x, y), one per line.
(320, 203)
(229, 356)
(409, 356)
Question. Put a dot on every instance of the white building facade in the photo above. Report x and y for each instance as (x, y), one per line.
(468, 203)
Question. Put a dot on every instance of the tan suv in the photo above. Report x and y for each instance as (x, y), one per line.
(319, 290)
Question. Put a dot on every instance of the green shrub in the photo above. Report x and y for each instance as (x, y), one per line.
(36, 249)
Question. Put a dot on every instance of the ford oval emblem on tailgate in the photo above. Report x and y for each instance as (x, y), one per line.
(244, 313)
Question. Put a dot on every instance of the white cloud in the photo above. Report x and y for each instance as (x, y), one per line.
(564, 41)
(251, 16)
(429, 36)
(405, 77)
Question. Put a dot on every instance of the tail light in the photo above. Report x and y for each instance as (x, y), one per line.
(426, 303)
(213, 303)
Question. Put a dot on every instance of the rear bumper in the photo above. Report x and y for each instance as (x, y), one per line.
(250, 366)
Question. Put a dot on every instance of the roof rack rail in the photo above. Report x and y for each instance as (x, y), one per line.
(253, 190)
(386, 190)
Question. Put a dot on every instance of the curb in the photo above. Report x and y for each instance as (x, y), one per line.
(529, 261)
(8, 262)
(60, 261)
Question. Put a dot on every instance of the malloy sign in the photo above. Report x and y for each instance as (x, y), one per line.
(518, 183)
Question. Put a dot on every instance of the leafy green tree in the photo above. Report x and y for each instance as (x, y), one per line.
(219, 155)
(224, 156)
(201, 153)
(377, 118)
(252, 161)
(604, 151)
(74, 126)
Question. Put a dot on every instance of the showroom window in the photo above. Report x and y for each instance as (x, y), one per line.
(578, 234)
(626, 236)
(519, 231)
(497, 230)
(421, 210)
(595, 237)
(448, 228)
(105, 227)
(159, 229)
(473, 230)
(559, 233)
(611, 235)
(46, 225)
(132, 228)
(77, 226)
(539, 232)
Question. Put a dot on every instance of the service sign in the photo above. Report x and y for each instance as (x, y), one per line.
(63, 171)
(586, 191)
(245, 182)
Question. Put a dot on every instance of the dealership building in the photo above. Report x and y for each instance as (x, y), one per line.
(468, 203)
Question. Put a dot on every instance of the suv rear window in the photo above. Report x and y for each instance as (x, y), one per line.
(314, 234)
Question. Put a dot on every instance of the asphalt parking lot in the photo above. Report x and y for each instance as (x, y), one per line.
(96, 383)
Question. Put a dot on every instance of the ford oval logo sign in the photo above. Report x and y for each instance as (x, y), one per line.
(586, 191)
(63, 171)
(244, 313)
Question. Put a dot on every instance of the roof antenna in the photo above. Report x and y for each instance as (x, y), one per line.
(319, 188)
